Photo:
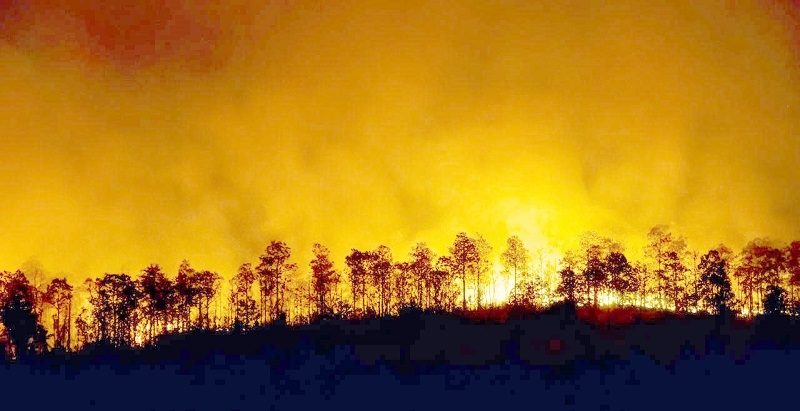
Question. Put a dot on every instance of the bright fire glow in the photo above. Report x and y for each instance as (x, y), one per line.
(203, 131)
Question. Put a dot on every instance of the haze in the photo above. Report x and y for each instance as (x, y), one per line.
(153, 131)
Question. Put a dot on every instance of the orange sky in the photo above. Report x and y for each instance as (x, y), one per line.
(151, 131)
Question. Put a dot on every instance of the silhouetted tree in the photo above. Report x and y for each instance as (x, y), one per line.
(324, 278)
(358, 264)
(441, 280)
(514, 261)
(715, 287)
(59, 295)
(760, 265)
(422, 259)
(18, 315)
(673, 280)
(115, 300)
(621, 277)
(157, 298)
(641, 275)
(402, 288)
(594, 274)
(464, 259)
(483, 267)
(185, 294)
(595, 277)
(381, 272)
(272, 277)
(83, 328)
(206, 284)
(774, 302)
(661, 243)
(530, 293)
(577, 286)
(791, 261)
(568, 285)
(243, 303)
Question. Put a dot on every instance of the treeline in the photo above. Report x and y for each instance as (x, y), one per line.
(119, 310)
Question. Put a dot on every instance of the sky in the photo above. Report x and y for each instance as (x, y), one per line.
(150, 131)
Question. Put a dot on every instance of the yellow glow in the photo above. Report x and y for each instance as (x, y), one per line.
(384, 122)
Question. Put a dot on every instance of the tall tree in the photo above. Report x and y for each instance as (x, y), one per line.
(622, 279)
(674, 280)
(591, 260)
(324, 278)
(483, 267)
(115, 303)
(381, 270)
(515, 260)
(774, 302)
(715, 287)
(422, 260)
(402, 284)
(661, 242)
(243, 303)
(464, 259)
(641, 276)
(358, 264)
(18, 313)
(440, 281)
(185, 294)
(59, 295)
(573, 283)
(568, 285)
(206, 284)
(157, 298)
(791, 260)
(594, 273)
(272, 277)
(760, 265)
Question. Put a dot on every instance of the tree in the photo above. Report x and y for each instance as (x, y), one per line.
(83, 328)
(673, 280)
(158, 298)
(18, 314)
(115, 302)
(272, 278)
(442, 296)
(760, 266)
(774, 302)
(243, 303)
(514, 261)
(381, 270)
(641, 277)
(661, 243)
(185, 294)
(59, 295)
(402, 284)
(594, 273)
(568, 285)
(323, 278)
(483, 267)
(791, 261)
(530, 294)
(422, 259)
(205, 283)
(591, 259)
(358, 263)
(620, 275)
(715, 286)
(464, 259)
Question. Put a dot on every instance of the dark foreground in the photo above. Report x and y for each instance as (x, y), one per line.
(555, 363)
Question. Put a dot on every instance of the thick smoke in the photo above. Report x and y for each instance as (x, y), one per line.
(204, 132)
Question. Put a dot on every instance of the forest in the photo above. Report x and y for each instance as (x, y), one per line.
(119, 310)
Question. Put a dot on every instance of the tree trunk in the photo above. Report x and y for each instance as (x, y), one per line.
(464, 290)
